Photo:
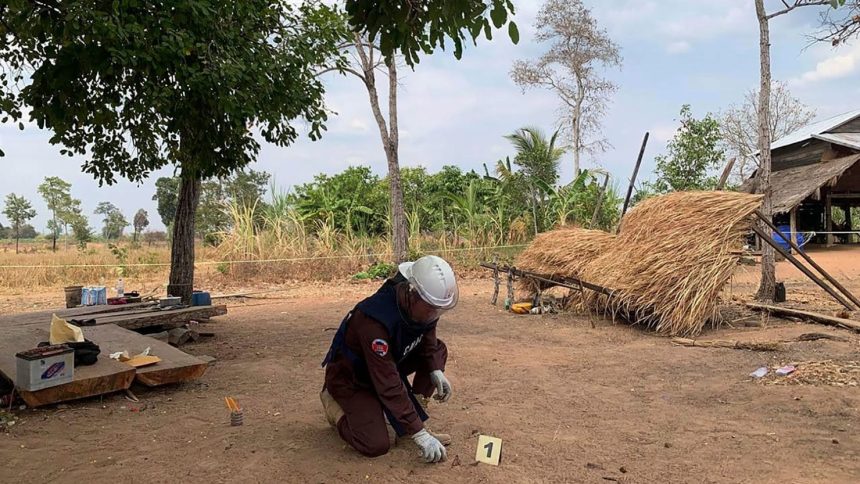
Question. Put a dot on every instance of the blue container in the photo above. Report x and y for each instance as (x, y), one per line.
(786, 231)
(201, 298)
(93, 296)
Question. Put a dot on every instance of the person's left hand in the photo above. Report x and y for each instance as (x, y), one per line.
(443, 386)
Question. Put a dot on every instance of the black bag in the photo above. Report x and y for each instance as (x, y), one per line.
(86, 352)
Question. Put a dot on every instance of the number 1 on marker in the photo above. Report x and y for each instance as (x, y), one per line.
(489, 450)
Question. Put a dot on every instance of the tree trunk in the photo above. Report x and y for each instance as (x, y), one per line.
(181, 282)
(577, 129)
(54, 231)
(390, 143)
(400, 226)
(17, 237)
(767, 285)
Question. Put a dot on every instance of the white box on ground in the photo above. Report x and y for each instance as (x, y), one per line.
(44, 367)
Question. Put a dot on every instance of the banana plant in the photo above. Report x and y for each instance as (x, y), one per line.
(563, 204)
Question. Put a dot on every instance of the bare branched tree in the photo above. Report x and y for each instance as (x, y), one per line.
(366, 62)
(840, 24)
(739, 125)
(578, 49)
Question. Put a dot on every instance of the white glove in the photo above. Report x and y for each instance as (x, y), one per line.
(443, 386)
(431, 449)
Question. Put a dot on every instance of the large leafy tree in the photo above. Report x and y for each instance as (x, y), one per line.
(420, 26)
(56, 193)
(134, 86)
(114, 221)
(691, 156)
(18, 210)
(167, 197)
(141, 221)
(245, 188)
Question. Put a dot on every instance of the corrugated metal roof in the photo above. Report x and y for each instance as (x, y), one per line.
(815, 128)
(851, 140)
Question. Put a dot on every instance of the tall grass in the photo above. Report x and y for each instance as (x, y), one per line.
(273, 243)
(95, 265)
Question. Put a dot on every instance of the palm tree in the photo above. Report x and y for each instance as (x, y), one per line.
(538, 159)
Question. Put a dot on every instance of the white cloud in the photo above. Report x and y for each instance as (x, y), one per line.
(708, 24)
(678, 47)
(358, 124)
(663, 132)
(835, 67)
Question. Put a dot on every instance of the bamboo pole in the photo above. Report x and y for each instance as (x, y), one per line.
(567, 282)
(768, 240)
(809, 259)
(635, 174)
(809, 315)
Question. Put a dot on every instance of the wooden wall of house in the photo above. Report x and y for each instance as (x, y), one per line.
(798, 155)
(849, 182)
(849, 127)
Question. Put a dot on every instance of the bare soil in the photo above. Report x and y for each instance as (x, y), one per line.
(572, 403)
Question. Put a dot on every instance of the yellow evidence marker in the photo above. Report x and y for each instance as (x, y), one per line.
(489, 450)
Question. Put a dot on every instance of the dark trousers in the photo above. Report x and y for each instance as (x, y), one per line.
(363, 425)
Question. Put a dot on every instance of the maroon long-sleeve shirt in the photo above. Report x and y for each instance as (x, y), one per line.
(362, 338)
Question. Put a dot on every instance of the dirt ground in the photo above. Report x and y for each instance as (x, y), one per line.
(571, 402)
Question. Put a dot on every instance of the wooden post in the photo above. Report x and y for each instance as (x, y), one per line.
(853, 237)
(828, 217)
(635, 173)
(726, 172)
(810, 260)
(769, 241)
(793, 224)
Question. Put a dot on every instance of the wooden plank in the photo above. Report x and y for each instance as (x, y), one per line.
(726, 172)
(812, 316)
(170, 318)
(175, 366)
(87, 312)
(106, 376)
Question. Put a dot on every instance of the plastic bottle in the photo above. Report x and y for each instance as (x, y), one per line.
(120, 288)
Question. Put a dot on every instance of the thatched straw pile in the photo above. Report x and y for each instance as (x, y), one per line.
(564, 251)
(669, 262)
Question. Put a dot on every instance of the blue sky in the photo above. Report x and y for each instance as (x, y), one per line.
(457, 112)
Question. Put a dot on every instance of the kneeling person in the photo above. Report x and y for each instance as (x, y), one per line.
(383, 340)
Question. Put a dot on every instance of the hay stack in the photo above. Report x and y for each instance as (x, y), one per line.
(668, 264)
(564, 251)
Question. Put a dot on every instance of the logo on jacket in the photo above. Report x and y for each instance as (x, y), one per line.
(412, 345)
(380, 347)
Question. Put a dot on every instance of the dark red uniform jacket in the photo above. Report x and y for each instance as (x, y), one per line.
(363, 337)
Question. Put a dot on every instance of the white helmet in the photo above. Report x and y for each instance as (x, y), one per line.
(434, 280)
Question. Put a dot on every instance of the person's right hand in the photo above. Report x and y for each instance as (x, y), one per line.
(431, 449)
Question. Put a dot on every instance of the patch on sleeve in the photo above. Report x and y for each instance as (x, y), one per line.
(380, 347)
